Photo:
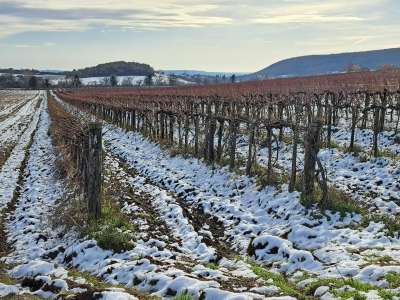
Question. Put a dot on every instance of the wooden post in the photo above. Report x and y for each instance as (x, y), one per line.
(376, 132)
(171, 129)
(329, 127)
(311, 149)
(383, 111)
(186, 150)
(252, 129)
(211, 133)
(354, 117)
(269, 144)
(232, 143)
(220, 136)
(94, 173)
(196, 135)
(295, 128)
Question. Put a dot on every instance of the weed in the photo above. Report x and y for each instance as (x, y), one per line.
(183, 296)
(394, 279)
(337, 201)
(279, 280)
(5, 279)
(332, 144)
(113, 230)
(392, 224)
(357, 149)
(380, 260)
(89, 278)
(212, 266)
(388, 295)
(355, 295)
(388, 153)
(337, 283)
(277, 178)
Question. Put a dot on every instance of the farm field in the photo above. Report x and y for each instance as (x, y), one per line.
(276, 189)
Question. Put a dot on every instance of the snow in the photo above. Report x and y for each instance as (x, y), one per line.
(115, 295)
(43, 253)
(10, 170)
(374, 181)
(133, 80)
(173, 215)
(281, 233)
(248, 213)
(375, 274)
(7, 289)
(10, 100)
(37, 267)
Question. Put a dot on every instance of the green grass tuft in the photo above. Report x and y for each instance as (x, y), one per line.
(388, 295)
(288, 288)
(388, 154)
(183, 296)
(394, 279)
(212, 266)
(392, 224)
(379, 260)
(355, 295)
(113, 230)
(337, 201)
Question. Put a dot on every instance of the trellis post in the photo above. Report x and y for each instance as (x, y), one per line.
(94, 172)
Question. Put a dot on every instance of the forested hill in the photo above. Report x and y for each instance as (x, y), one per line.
(119, 68)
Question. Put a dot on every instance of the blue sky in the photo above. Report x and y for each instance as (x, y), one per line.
(212, 35)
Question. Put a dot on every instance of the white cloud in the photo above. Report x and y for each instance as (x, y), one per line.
(47, 44)
(141, 15)
(63, 15)
(303, 12)
(305, 18)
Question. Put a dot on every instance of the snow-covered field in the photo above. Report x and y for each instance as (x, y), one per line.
(202, 231)
(157, 79)
(373, 181)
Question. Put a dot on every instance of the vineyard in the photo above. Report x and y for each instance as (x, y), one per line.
(275, 189)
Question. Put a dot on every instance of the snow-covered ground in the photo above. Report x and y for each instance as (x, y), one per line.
(275, 219)
(44, 254)
(130, 80)
(10, 170)
(10, 100)
(373, 181)
(31, 234)
(157, 79)
(197, 228)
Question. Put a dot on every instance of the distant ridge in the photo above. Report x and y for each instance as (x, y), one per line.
(328, 64)
(118, 68)
(200, 73)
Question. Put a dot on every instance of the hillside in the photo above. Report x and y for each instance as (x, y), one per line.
(326, 64)
(200, 73)
(26, 72)
(119, 68)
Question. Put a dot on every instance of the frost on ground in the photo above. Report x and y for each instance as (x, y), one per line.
(34, 243)
(375, 182)
(16, 113)
(11, 168)
(44, 257)
(205, 232)
(270, 225)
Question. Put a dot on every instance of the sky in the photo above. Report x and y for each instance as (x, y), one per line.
(211, 35)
